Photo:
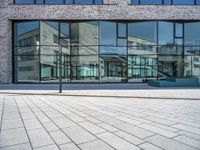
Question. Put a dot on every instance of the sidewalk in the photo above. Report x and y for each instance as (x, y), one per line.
(103, 90)
(43, 122)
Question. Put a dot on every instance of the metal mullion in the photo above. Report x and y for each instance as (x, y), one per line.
(126, 52)
(99, 61)
(39, 54)
(157, 39)
(70, 59)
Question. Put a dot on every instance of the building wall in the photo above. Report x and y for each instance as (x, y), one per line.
(111, 10)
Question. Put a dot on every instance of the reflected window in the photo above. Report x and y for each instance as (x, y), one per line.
(142, 36)
(27, 33)
(49, 31)
(192, 38)
(84, 38)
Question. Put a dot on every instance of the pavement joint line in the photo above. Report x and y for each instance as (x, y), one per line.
(97, 138)
(105, 96)
(112, 126)
(72, 141)
(43, 127)
(15, 145)
(23, 122)
(2, 113)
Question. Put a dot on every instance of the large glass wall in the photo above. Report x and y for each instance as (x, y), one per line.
(106, 51)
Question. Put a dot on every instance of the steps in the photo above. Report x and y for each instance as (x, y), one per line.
(176, 82)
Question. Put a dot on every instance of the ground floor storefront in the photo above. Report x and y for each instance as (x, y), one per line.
(105, 51)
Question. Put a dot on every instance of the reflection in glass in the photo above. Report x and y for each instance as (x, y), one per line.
(84, 68)
(192, 38)
(192, 66)
(92, 54)
(84, 38)
(150, 1)
(24, 1)
(26, 68)
(142, 68)
(165, 33)
(108, 38)
(183, 1)
(50, 67)
(113, 68)
(27, 33)
(142, 37)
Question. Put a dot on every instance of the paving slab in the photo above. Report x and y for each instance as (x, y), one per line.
(13, 137)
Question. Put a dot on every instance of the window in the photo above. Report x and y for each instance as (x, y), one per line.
(166, 2)
(105, 51)
(78, 2)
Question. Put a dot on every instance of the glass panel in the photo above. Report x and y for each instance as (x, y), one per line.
(142, 68)
(24, 1)
(83, 2)
(64, 29)
(54, 2)
(121, 30)
(49, 32)
(122, 42)
(39, 1)
(108, 38)
(179, 41)
(84, 38)
(142, 37)
(134, 1)
(170, 66)
(192, 38)
(50, 67)
(150, 1)
(26, 68)
(113, 68)
(192, 66)
(197, 1)
(84, 69)
(98, 1)
(27, 33)
(167, 1)
(29, 50)
(179, 29)
(165, 33)
(183, 1)
(69, 1)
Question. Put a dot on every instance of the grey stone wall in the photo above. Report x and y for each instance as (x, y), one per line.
(112, 10)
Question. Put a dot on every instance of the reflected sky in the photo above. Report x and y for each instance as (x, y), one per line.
(25, 27)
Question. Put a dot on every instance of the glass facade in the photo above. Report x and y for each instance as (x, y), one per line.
(165, 2)
(105, 51)
(78, 2)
